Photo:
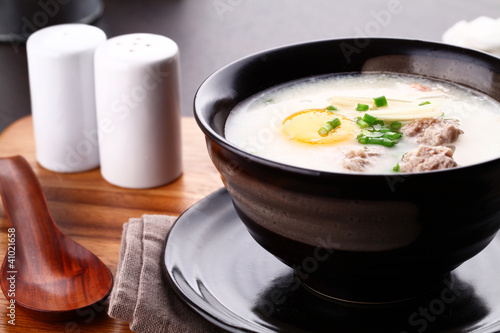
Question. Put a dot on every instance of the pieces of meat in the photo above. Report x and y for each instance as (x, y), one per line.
(426, 158)
(433, 131)
(357, 159)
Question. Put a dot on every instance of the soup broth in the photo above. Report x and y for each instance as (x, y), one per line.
(295, 123)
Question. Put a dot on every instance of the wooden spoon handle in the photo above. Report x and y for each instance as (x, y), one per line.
(23, 199)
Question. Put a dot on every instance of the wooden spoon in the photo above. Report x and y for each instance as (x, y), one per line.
(49, 276)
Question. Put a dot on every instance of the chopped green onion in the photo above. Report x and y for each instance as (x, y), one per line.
(362, 124)
(395, 125)
(376, 141)
(383, 141)
(385, 128)
(380, 101)
(374, 134)
(379, 135)
(332, 108)
(362, 139)
(396, 167)
(369, 119)
(392, 135)
(335, 122)
(424, 103)
(362, 107)
(325, 129)
(329, 126)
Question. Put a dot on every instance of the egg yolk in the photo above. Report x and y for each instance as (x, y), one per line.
(303, 126)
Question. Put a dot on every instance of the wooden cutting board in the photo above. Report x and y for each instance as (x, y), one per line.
(92, 212)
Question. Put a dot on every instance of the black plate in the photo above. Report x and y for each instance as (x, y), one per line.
(221, 272)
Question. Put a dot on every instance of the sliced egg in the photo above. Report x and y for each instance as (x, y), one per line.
(303, 126)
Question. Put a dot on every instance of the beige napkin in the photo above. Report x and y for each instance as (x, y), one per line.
(140, 294)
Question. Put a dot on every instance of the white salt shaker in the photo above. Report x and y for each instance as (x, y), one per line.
(138, 110)
(61, 79)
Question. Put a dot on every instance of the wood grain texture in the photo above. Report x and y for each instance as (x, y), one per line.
(92, 212)
(54, 277)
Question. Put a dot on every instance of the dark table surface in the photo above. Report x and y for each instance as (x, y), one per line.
(212, 33)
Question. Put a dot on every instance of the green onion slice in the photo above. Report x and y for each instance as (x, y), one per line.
(362, 124)
(392, 135)
(329, 126)
(369, 119)
(395, 125)
(380, 141)
(424, 103)
(362, 107)
(396, 167)
(380, 101)
(376, 141)
(375, 134)
(332, 108)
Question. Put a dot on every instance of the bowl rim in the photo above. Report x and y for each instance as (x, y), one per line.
(252, 158)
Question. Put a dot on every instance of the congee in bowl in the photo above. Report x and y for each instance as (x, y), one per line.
(371, 167)
(372, 123)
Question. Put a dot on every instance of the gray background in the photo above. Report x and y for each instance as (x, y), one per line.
(212, 33)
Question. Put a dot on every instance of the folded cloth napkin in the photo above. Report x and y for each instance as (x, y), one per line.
(140, 295)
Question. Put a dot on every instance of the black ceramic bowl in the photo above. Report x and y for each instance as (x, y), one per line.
(344, 239)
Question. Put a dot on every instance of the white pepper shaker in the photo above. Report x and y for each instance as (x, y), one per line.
(61, 79)
(138, 110)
